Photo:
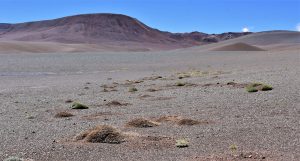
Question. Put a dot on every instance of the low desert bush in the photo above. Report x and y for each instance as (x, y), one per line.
(77, 105)
(142, 123)
(254, 87)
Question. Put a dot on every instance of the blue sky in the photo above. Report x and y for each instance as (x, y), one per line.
(210, 16)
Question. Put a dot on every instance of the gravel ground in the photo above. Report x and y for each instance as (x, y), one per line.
(34, 87)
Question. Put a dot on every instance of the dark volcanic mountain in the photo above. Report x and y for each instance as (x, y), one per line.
(105, 29)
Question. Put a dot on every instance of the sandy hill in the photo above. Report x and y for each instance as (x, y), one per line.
(108, 31)
(270, 40)
(238, 47)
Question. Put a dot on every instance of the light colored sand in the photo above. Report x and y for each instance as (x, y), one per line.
(37, 85)
(238, 47)
(34, 87)
(279, 40)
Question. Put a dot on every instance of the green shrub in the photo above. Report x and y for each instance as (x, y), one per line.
(182, 143)
(254, 87)
(251, 89)
(132, 89)
(13, 159)
(180, 84)
(266, 87)
(76, 105)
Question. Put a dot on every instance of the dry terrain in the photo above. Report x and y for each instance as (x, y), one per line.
(187, 104)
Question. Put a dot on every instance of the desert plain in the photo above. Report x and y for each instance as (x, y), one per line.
(195, 94)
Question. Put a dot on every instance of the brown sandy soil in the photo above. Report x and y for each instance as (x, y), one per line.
(238, 47)
(263, 125)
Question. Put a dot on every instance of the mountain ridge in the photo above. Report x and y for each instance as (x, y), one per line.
(105, 28)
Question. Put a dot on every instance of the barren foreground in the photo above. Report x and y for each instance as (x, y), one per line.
(207, 87)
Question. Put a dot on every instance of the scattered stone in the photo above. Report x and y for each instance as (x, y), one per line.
(68, 101)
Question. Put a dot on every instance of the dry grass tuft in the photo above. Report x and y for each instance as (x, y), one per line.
(145, 96)
(188, 122)
(109, 88)
(130, 82)
(152, 90)
(101, 134)
(142, 123)
(116, 103)
(181, 121)
(63, 114)
(153, 78)
(169, 119)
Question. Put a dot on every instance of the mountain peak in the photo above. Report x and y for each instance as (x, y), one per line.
(103, 28)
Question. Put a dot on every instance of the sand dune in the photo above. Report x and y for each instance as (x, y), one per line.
(51, 47)
(271, 41)
(238, 47)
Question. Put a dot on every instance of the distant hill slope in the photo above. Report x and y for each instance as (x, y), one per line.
(238, 47)
(271, 38)
(106, 30)
(268, 40)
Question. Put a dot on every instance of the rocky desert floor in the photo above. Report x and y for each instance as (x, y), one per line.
(185, 94)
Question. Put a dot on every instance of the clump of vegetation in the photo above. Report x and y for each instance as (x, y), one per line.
(132, 89)
(63, 114)
(254, 87)
(169, 119)
(189, 122)
(152, 90)
(233, 147)
(116, 103)
(153, 78)
(181, 121)
(251, 89)
(14, 159)
(101, 134)
(180, 84)
(266, 87)
(142, 123)
(109, 88)
(30, 117)
(182, 143)
(77, 105)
